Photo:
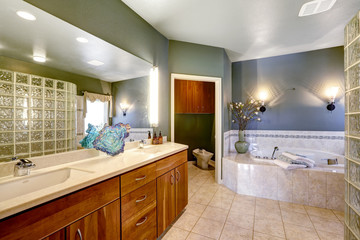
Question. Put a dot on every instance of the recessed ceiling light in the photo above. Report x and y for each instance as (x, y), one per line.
(95, 63)
(82, 40)
(26, 15)
(315, 7)
(39, 59)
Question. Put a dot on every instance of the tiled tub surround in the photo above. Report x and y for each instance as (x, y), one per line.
(37, 115)
(352, 128)
(314, 187)
(316, 140)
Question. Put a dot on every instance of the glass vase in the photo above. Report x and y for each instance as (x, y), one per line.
(241, 146)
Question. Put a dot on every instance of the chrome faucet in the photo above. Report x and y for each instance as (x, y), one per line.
(142, 142)
(275, 149)
(22, 168)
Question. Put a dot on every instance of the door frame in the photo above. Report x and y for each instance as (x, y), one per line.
(218, 120)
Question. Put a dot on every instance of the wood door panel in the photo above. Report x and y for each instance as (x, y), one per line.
(55, 215)
(181, 174)
(137, 178)
(137, 200)
(194, 96)
(171, 162)
(165, 201)
(99, 225)
(180, 96)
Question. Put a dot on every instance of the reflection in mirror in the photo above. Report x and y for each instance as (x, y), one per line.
(70, 55)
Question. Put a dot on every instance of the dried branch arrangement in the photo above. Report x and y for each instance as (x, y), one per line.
(243, 113)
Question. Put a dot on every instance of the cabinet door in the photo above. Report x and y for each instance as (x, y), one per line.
(181, 174)
(165, 200)
(59, 235)
(102, 224)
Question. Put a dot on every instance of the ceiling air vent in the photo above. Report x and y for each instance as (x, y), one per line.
(315, 7)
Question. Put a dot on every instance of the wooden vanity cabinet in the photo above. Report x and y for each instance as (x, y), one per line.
(101, 224)
(152, 197)
(172, 189)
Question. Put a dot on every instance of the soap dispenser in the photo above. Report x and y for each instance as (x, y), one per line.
(155, 139)
(160, 138)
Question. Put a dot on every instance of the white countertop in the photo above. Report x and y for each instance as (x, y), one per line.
(92, 171)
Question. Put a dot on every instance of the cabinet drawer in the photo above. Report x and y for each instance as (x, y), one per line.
(137, 178)
(137, 200)
(171, 162)
(142, 226)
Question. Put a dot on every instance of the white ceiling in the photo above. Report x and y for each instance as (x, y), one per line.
(56, 39)
(248, 29)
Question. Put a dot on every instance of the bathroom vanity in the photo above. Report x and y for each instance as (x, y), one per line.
(136, 196)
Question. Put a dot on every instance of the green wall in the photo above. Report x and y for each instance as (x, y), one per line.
(116, 23)
(83, 83)
(195, 59)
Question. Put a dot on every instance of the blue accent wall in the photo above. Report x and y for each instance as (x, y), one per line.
(304, 108)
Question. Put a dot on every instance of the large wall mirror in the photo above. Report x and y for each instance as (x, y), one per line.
(66, 54)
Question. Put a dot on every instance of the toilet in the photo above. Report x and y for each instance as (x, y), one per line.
(202, 157)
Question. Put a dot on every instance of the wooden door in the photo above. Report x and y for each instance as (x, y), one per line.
(181, 98)
(165, 200)
(181, 174)
(59, 235)
(102, 224)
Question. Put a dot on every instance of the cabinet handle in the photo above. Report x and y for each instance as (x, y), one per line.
(142, 199)
(178, 175)
(172, 178)
(78, 232)
(142, 222)
(140, 178)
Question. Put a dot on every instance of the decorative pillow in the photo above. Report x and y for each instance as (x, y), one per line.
(93, 132)
(111, 139)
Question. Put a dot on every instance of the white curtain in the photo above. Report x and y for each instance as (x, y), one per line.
(93, 97)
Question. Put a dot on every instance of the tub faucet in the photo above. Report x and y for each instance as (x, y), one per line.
(275, 149)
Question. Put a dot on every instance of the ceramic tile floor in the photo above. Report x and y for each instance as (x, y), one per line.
(215, 212)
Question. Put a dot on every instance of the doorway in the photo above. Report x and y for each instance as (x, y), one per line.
(217, 113)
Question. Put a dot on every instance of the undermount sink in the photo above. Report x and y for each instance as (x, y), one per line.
(150, 149)
(24, 185)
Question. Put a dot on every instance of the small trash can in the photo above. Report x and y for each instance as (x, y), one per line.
(202, 158)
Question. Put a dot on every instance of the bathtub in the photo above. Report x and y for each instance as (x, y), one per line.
(320, 157)
(321, 186)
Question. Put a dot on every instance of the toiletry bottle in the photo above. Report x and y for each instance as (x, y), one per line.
(160, 138)
(154, 140)
(149, 135)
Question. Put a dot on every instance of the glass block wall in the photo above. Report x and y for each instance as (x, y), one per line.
(352, 129)
(37, 115)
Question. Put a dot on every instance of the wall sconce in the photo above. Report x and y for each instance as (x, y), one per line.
(154, 97)
(331, 92)
(262, 96)
(124, 107)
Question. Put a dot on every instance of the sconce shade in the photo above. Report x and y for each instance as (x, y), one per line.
(262, 109)
(330, 107)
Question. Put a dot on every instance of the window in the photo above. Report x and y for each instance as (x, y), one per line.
(97, 113)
